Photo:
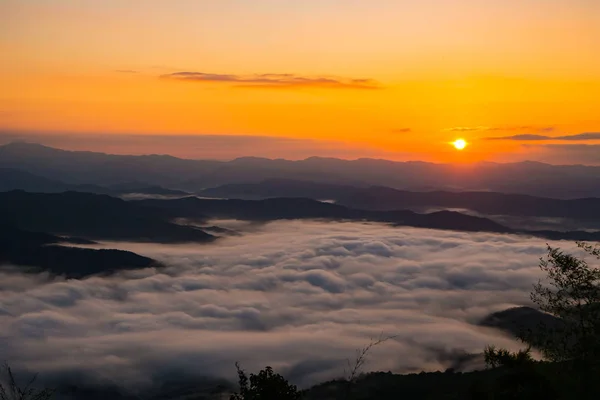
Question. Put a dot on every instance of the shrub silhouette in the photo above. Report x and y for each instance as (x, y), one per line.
(266, 385)
(10, 390)
(504, 358)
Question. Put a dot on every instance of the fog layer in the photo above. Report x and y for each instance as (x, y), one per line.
(299, 296)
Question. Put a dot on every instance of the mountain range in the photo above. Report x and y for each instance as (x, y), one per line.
(82, 167)
(376, 198)
(102, 217)
(48, 196)
(303, 208)
(385, 198)
(16, 179)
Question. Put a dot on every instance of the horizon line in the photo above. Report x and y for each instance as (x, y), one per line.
(2, 145)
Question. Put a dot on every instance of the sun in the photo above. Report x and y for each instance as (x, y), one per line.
(459, 144)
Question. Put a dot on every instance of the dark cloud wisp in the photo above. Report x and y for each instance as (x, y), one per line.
(530, 137)
(467, 128)
(539, 129)
(276, 80)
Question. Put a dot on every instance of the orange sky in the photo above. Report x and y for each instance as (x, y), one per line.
(393, 77)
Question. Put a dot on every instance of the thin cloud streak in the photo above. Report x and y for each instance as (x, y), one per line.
(275, 81)
(530, 137)
(467, 128)
(543, 129)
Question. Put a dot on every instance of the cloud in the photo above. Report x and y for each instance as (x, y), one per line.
(520, 137)
(542, 129)
(529, 137)
(276, 80)
(299, 296)
(126, 71)
(402, 130)
(546, 129)
(467, 128)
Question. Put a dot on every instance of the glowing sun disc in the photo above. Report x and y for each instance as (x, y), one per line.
(459, 144)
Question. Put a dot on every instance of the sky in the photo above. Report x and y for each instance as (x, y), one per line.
(384, 78)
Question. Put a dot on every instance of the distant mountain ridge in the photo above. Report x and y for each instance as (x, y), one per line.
(385, 198)
(16, 179)
(303, 208)
(573, 181)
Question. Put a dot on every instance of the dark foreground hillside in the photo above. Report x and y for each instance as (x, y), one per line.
(540, 381)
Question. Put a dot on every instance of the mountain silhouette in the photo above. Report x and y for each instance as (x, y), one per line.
(385, 198)
(303, 208)
(41, 251)
(15, 179)
(92, 216)
(80, 167)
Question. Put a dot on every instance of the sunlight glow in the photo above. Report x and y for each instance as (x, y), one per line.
(459, 144)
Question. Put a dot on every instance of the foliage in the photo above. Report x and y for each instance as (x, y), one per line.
(504, 358)
(266, 385)
(572, 347)
(10, 390)
(573, 294)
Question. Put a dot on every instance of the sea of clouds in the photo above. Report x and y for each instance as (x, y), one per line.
(299, 296)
